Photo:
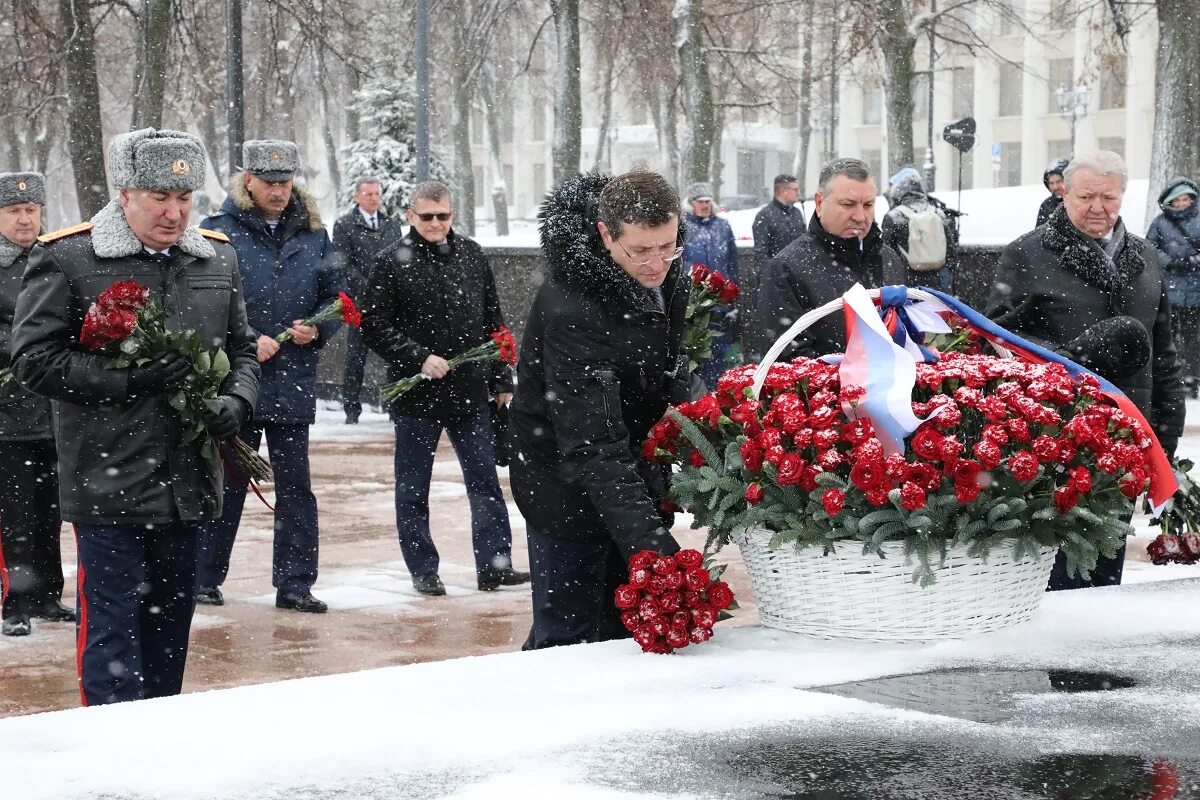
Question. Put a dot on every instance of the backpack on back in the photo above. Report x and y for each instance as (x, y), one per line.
(926, 239)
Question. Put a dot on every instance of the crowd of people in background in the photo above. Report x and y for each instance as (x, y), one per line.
(602, 358)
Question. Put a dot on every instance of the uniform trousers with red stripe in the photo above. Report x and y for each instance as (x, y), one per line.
(136, 598)
(30, 559)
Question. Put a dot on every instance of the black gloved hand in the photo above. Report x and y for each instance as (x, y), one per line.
(1114, 349)
(159, 375)
(228, 419)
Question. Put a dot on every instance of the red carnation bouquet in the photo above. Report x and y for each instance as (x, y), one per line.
(1179, 541)
(500, 346)
(1011, 452)
(672, 601)
(343, 308)
(124, 316)
(709, 290)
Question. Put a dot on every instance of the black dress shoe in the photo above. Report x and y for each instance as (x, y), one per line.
(53, 611)
(429, 584)
(495, 578)
(352, 417)
(16, 625)
(210, 596)
(300, 602)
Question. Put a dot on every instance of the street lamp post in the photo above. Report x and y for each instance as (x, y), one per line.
(1073, 104)
(930, 169)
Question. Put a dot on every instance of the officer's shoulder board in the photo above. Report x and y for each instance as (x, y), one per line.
(217, 235)
(82, 227)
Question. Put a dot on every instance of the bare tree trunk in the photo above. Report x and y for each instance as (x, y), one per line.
(353, 132)
(899, 47)
(717, 167)
(491, 105)
(43, 143)
(568, 113)
(212, 143)
(10, 152)
(86, 142)
(150, 75)
(606, 91)
(804, 101)
(464, 172)
(328, 111)
(1175, 149)
(697, 91)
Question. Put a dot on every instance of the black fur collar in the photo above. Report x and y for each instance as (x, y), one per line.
(1083, 256)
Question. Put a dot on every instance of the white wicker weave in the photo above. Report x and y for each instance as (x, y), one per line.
(847, 595)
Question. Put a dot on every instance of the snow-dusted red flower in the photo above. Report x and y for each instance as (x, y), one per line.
(664, 619)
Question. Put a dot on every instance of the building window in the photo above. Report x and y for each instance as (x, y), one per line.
(1112, 82)
(538, 134)
(1057, 149)
(1113, 143)
(872, 111)
(1010, 164)
(1061, 15)
(751, 172)
(1061, 75)
(920, 86)
(1011, 78)
(874, 159)
(963, 96)
(1009, 16)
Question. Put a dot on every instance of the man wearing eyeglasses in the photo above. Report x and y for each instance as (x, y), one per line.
(602, 356)
(431, 296)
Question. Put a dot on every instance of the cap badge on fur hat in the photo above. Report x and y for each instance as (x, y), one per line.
(21, 186)
(159, 160)
(17, 188)
(272, 160)
(181, 167)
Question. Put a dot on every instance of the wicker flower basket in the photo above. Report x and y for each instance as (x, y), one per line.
(848, 595)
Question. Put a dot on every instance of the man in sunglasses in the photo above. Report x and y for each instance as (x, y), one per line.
(430, 296)
(602, 356)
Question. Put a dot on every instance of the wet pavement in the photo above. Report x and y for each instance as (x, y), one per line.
(376, 619)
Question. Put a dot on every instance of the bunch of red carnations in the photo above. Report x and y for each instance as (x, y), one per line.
(1009, 451)
(500, 346)
(343, 308)
(709, 290)
(1179, 541)
(672, 601)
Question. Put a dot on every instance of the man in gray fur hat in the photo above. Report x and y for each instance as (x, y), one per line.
(31, 567)
(290, 272)
(135, 491)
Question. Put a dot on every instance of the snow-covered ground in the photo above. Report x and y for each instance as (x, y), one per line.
(993, 216)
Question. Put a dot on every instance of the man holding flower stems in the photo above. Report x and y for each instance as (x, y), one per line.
(136, 491)
(432, 296)
(290, 274)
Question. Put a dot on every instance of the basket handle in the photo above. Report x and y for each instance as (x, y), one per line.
(802, 324)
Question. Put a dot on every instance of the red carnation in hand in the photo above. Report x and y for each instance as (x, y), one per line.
(353, 317)
(700, 274)
(128, 295)
(729, 293)
(754, 494)
(833, 500)
(102, 327)
(504, 340)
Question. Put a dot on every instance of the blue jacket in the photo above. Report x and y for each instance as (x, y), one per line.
(1176, 234)
(286, 276)
(709, 241)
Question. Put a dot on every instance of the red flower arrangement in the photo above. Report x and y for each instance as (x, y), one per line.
(672, 601)
(342, 308)
(709, 290)
(1179, 541)
(1010, 450)
(500, 347)
(125, 316)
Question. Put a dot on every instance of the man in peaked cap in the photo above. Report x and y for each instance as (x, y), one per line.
(134, 490)
(31, 576)
(289, 272)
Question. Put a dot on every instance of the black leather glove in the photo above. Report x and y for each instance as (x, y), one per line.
(1114, 349)
(226, 421)
(159, 375)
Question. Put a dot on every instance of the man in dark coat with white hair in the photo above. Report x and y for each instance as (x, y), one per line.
(1083, 286)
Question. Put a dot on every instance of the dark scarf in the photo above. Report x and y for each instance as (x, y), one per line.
(867, 261)
(1112, 269)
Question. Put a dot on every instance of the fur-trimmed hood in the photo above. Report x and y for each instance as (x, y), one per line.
(575, 252)
(10, 251)
(300, 199)
(113, 238)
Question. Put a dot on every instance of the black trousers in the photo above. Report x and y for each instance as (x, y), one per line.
(1185, 329)
(356, 361)
(30, 559)
(135, 609)
(1107, 573)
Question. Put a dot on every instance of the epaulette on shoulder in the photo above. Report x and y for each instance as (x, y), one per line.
(82, 227)
(217, 235)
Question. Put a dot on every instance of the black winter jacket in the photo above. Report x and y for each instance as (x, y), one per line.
(600, 361)
(1048, 207)
(775, 227)
(24, 416)
(425, 299)
(357, 246)
(120, 460)
(813, 270)
(1053, 283)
